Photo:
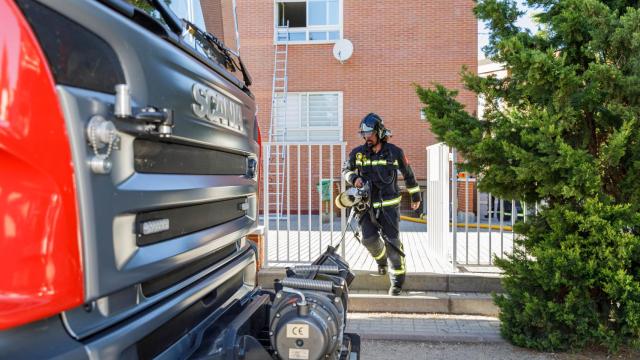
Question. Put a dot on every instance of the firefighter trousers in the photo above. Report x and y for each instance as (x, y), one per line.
(385, 226)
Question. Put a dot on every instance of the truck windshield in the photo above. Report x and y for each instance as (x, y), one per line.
(211, 30)
(150, 9)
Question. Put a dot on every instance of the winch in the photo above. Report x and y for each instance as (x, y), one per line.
(308, 316)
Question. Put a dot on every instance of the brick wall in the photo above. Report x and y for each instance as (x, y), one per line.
(212, 13)
(218, 17)
(228, 24)
(396, 44)
(467, 199)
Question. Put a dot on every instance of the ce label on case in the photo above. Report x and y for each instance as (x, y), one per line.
(298, 331)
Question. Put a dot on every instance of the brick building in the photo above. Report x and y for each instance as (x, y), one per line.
(396, 43)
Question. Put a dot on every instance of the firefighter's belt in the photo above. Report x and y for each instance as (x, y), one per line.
(368, 162)
(390, 202)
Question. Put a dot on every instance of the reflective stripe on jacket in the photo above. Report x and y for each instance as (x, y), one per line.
(381, 170)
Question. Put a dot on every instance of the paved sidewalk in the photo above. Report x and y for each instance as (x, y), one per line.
(425, 327)
(415, 350)
(286, 245)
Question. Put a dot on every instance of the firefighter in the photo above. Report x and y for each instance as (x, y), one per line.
(377, 162)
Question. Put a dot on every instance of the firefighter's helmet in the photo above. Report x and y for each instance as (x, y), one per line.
(373, 123)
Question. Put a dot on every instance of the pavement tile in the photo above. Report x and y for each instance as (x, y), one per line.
(421, 327)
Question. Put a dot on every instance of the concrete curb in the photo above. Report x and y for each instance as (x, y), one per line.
(481, 283)
(428, 337)
(424, 302)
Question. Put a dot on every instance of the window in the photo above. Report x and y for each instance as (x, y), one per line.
(309, 21)
(218, 18)
(312, 117)
(221, 21)
(189, 10)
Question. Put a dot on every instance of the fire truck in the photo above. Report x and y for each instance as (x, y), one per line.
(129, 152)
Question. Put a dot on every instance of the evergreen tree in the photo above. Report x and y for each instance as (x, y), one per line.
(561, 129)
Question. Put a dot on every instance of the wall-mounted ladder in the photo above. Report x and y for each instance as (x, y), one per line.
(277, 126)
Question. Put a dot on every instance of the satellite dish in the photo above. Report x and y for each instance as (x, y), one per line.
(342, 50)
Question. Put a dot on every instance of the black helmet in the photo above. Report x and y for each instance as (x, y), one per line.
(373, 123)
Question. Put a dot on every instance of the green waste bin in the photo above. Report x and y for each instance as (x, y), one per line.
(324, 188)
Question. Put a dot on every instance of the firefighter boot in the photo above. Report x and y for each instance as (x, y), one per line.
(396, 285)
(382, 268)
(378, 251)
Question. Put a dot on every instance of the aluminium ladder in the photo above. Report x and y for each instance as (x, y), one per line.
(277, 127)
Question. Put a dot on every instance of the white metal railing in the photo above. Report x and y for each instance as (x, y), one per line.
(465, 226)
(306, 222)
(481, 226)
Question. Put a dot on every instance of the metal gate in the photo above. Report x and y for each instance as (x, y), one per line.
(300, 181)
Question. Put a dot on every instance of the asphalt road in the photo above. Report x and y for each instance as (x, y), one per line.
(407, 350)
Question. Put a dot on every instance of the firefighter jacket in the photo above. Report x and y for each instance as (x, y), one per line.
(381, 171)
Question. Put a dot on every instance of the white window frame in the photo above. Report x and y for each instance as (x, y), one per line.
(339, 127)
(308, 29)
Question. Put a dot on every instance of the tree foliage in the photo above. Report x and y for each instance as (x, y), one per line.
(561, 129)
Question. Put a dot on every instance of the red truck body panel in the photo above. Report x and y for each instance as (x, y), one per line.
(40, 258)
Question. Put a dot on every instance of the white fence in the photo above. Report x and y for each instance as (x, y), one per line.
(465, 226)
(299, 216)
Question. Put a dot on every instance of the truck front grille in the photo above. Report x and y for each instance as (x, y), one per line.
(188, 219)
(164, 281)
(154, 157)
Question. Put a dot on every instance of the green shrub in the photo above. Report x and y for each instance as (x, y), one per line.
(561, 129)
